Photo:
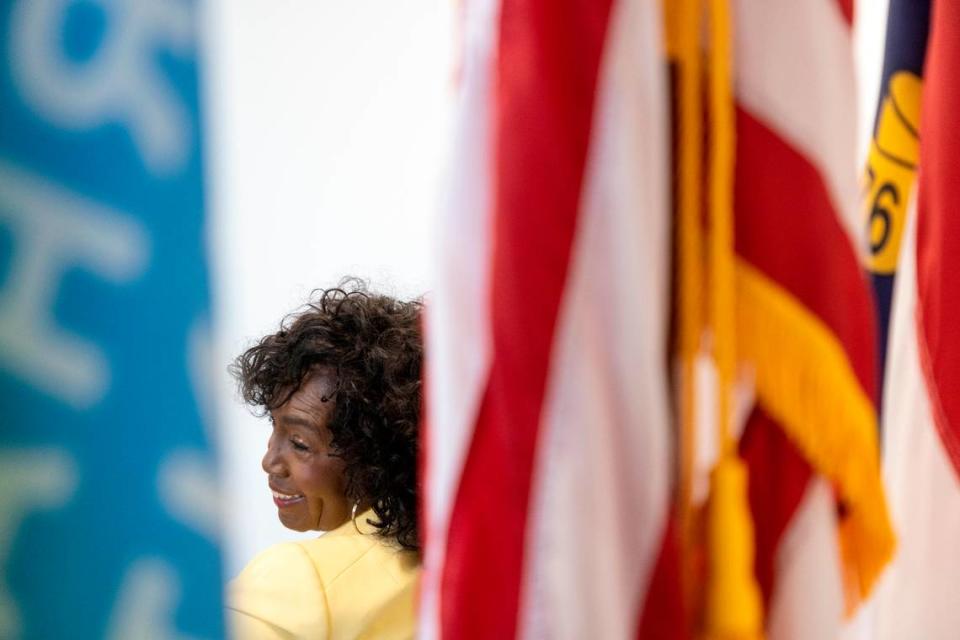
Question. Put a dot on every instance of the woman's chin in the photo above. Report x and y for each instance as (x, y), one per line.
(293, 521)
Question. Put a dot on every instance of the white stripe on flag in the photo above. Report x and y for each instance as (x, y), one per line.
(601, 485)
(458, 317)
(794, 72)
(807, 599)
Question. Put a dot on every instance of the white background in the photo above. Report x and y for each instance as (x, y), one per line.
(326, 127)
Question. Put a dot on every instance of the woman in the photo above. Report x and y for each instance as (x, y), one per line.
(340, 382)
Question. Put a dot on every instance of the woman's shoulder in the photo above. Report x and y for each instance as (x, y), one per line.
(345, 553)
(277, 562)
(279, 590)
(342, 579)
(321, 562)
(370, 584)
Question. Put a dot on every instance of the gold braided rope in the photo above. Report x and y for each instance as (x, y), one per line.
(733, 603)
(685, 36)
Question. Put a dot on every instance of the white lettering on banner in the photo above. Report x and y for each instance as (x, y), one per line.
(119, 83)
(187, 484)
(30, 480)
(187, 480)
(146, 603)
(202, 372)
(54, 230)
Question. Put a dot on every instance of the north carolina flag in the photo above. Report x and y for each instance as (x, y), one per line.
(913, 172)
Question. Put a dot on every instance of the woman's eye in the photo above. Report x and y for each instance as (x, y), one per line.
(299, 446)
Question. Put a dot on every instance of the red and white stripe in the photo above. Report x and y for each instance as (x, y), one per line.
(795, 74)
(798, 222)
(548, 451)
(458, 313)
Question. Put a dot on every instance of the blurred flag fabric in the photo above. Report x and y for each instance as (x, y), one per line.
(914, 215)
(548, 452)
(107, 483)
(551, 472)
(805, 317)
(804, 388)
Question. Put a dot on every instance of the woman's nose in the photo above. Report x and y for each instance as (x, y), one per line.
(272, 463)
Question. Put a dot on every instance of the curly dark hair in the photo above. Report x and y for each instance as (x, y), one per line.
(373, 344)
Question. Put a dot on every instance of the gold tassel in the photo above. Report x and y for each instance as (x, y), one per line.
(733, 597)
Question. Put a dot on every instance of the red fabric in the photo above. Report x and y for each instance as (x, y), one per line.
(662, 616)
(787, 228)
(423, 452)
(546, 74)
(938, 224)
(846, 8)
(777, 480)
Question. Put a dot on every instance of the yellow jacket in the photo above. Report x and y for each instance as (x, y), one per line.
(341, 585)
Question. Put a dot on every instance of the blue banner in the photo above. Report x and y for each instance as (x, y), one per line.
(108, 493)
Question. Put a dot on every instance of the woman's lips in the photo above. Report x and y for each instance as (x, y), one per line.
(286, 500)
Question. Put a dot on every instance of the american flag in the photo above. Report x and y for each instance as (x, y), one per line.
(805, 317)
(548, 449)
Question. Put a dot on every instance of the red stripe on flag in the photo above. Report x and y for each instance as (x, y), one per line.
(846, 8)
(424, 452)
(778, 477)
(787, 228)
(547, 68)
(938, 225)
(662, 616)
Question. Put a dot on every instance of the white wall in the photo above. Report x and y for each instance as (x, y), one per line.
(326, 124)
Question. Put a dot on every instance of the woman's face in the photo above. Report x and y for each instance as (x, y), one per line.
(307, 482)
